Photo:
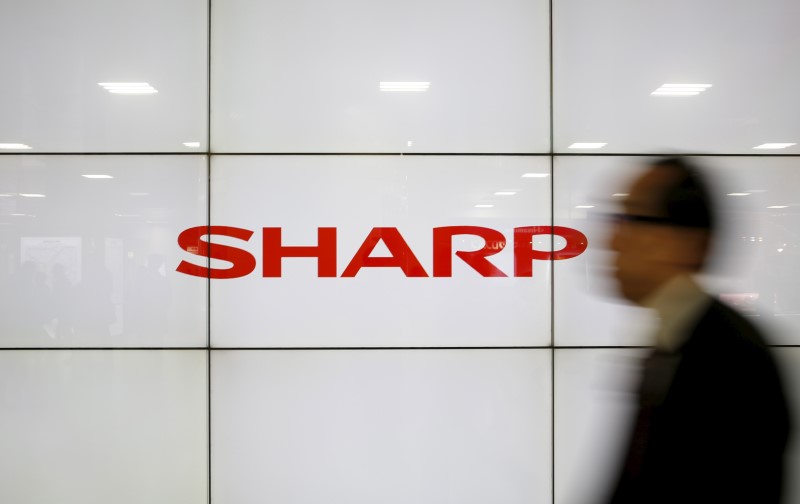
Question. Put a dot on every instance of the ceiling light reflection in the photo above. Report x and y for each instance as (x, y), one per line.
(32, 195)
(405, 86)
(680, 89)
(505, 193)
(484, 206)
(128, 87)
(774, 145)
(587, 145)
(535, 175)
(739, 194)
(18, 146)
(97, 176)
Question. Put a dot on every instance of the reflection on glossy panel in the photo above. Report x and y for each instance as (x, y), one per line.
(93, 427)
(470, 426)
(415, 76)
(594, 403)
(88, 251)
(110, 76)
(754, 260)
(408, 251)
(704, 77)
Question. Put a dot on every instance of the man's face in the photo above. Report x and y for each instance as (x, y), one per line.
(648, 251)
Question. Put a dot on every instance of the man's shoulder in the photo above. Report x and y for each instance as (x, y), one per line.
(721, 325)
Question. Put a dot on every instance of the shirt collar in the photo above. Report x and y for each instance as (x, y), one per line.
(679, 303)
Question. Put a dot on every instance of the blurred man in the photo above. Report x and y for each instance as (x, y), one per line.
(712, 421)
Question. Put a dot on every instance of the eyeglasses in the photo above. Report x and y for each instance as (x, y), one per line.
(619, 218)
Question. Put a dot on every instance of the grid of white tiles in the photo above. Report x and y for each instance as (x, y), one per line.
(125, 124)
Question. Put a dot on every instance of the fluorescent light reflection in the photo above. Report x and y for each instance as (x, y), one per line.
(128, 87)
(774, 145)
(505, 193)
(778, 206)
(484, 206)
(619, 195)
(680, 89)
(14, 146)
(414, 87)
(535, 175)
(587, 145)
(191, 144)
(584, 206)
(32, 195)
(675, 93)
(739, 194)
(97, 176)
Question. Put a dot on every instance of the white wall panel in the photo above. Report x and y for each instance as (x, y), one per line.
(379, 306)
(594, 403)
(392, 426)
(304, 76)
(59, 52)
(92, 427)
(608, 57)
(753, 266)
(90, 262)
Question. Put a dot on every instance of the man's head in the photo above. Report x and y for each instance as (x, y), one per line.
(665, 229)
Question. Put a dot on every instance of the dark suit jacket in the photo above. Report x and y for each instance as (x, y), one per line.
(712, 423)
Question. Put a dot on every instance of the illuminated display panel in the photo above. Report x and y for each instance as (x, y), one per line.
(99, 426)
(88, 248)
(417, 299)
(415, 76)
(694, 77)
(593, 407)
(753, 264)
(391, 426)
(111, 76)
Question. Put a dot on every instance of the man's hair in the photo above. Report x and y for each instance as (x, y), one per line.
(686, 201)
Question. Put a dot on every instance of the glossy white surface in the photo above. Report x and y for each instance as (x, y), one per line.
(90, 262)
(610, 56)
(306, 76)
(59, 52)
(93, 427)
(594, 404)
(380, 306)
(399, 426)
(754, 266)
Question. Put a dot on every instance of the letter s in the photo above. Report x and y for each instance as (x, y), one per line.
(243, 262)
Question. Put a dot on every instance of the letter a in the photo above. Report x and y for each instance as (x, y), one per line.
(402, 257)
